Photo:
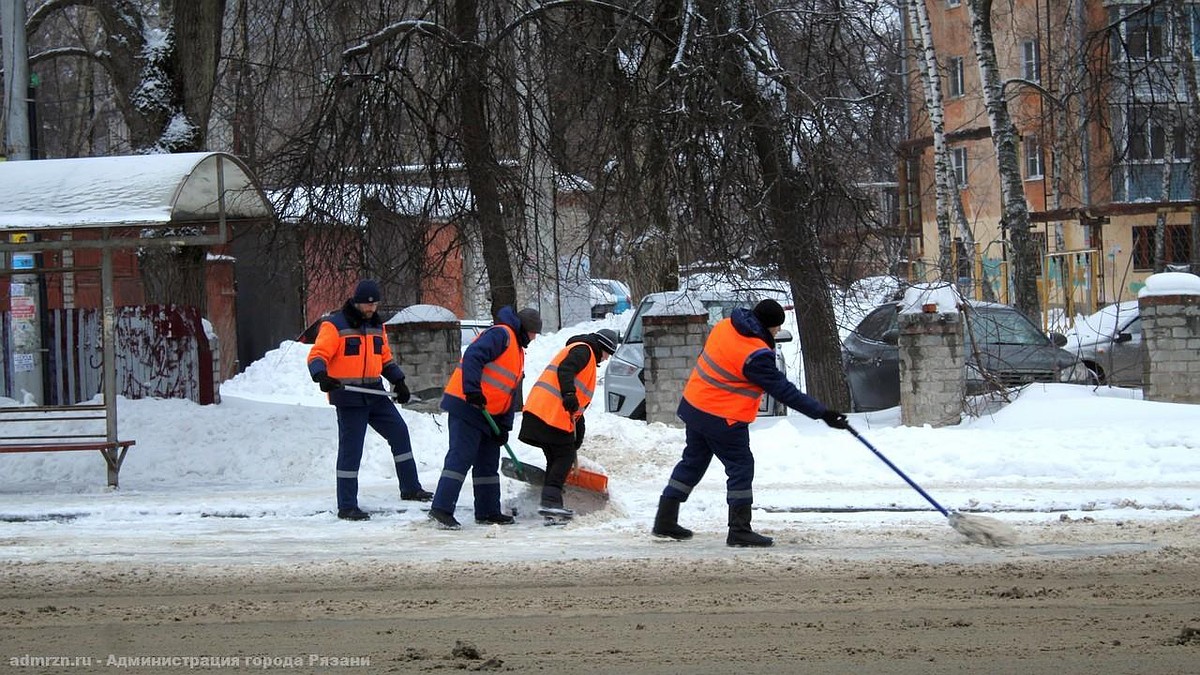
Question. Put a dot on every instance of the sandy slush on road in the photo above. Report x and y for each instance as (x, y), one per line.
(781, 610)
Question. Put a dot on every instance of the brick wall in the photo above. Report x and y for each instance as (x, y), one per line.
(932, 379)
(671, 345)
(428, 352)
(1171, 338)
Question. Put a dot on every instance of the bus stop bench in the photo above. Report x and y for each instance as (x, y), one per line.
(113, 451)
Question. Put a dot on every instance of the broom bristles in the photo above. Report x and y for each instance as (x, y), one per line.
(983, 530)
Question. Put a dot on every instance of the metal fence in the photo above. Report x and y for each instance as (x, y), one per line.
(162, 351)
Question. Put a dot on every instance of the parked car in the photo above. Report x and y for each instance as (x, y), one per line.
(602, 300)
(622, 296)
(998, 339)
(471, 328)
(1109, 343)
(624, 379)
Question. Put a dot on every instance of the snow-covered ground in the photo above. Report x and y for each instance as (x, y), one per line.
(251, 480)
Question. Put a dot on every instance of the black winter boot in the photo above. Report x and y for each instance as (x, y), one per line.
(666, 521)
(740, 533)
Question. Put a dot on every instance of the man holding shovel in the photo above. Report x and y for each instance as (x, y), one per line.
(351, 352)
(553, 417)
(482, 393)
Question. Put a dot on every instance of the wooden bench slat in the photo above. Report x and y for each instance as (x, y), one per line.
(61, 447)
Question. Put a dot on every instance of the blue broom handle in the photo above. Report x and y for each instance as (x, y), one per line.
(900, 473)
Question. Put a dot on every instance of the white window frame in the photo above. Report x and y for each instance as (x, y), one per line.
(1031, 154)
(1031, 61)
(957, 86)
(958, 163)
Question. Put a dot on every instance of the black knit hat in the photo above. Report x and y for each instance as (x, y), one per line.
(606, 338)
(367, 291)
(769, 313)
(531, 320)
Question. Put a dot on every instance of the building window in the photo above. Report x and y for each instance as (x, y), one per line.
(1152, 137)
(1147, 134)
(957, 87)
(1195, 14)
(1142, 34)
(1177, 244)
(1032, 152)
(958, 162)
(1031, 61)
(953, 3)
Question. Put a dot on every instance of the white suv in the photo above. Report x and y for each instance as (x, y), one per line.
(624, 383)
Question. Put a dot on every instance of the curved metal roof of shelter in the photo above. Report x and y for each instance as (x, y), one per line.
(130, 190)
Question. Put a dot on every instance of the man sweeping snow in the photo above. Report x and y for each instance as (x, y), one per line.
(719, 402)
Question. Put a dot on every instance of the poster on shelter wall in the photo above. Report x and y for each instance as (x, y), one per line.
(23, 363)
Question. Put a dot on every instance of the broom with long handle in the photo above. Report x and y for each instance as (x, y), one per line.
(979, 529)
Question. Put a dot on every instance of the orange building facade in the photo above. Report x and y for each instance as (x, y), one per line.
(1084, 82)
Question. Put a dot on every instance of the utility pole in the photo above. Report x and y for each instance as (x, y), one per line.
(26, 356)
(16, 79)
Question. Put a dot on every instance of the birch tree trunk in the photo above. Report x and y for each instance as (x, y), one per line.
(948, 199)
(1014, 210)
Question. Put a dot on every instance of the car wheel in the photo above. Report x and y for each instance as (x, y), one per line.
(1096, 377)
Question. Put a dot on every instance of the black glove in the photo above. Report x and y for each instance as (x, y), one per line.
(570, 402)
(835, 419)
(403, 395)
(326, 382)
(578, 441)
(477, 399)
(501, 436)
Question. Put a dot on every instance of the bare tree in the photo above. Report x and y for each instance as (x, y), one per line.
(161, 60)
(1014, 210)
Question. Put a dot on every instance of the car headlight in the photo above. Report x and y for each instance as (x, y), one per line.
(621, 369)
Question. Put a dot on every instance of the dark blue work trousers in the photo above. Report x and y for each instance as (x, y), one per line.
(475, 450)
(381, 415)
(731, 445)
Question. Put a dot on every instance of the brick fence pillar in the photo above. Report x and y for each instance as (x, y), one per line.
(671, 344)
(1171, 338)
(932, 379)
(427, 343)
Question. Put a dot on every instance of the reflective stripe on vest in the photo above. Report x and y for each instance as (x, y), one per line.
(545, 400)
(353, 355)
(499, 378)
(717, 384)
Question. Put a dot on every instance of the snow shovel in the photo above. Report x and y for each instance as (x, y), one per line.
(496, 430)
(592, 481)
(979, 529)
(368, 390)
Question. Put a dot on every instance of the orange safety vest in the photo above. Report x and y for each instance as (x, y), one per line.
(500, 377)
(717, 384)
(545, 400)
(353, 355)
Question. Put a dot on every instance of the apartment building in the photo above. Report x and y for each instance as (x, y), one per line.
(1098, 93)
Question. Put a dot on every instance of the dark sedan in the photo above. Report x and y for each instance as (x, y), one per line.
(1004, 349)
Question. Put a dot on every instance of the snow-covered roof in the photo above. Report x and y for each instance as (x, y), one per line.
(344, 203)
(138, 190)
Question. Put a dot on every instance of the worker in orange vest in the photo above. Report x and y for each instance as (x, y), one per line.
(486, 379)
(553, 416)
(719, 402)
(351, 348)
